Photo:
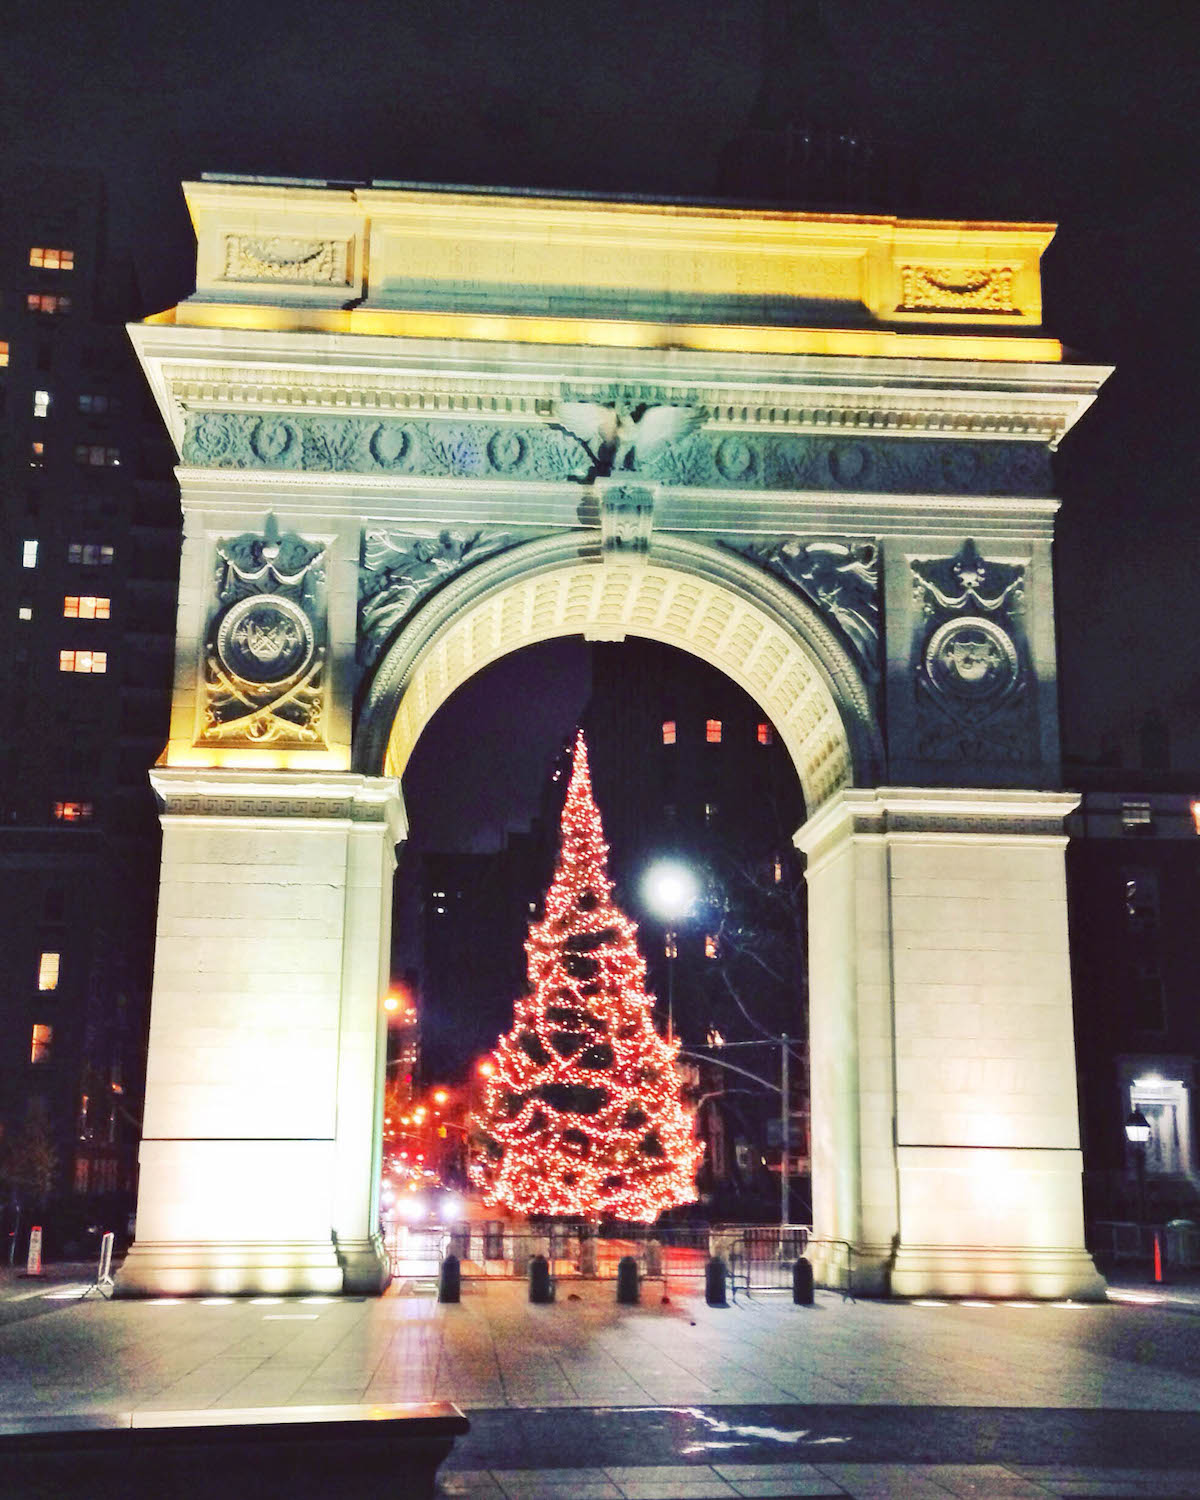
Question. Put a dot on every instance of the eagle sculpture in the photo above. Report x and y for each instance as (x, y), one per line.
(617, 438)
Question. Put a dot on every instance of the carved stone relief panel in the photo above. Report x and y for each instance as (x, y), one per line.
(665, 444)
(839, 575)
(264, 662)
(286, 258)
(968, 289)
(972, 677)
(626, 520)
(400, 567)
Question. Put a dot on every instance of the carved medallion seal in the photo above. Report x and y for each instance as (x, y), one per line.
(275, 442)
(265, 639)
(972, 658)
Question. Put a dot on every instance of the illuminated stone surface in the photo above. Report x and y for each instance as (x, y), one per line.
(419, 430)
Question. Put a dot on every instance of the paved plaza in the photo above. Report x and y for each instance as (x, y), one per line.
(671, 1399)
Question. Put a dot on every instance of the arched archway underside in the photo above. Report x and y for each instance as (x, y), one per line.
(763, 635)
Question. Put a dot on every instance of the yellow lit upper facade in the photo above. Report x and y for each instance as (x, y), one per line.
(560, 270)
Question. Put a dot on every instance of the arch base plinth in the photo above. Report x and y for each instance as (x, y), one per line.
(230, 1268)
(951, 1271)
(365, 1266)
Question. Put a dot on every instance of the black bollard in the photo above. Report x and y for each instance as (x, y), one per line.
(714, 1282)
(802, 1282)
(627, 1280)
(450, 1280)
(540, 1286)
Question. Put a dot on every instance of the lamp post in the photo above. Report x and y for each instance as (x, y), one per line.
(1137, 1133)
(670, 889)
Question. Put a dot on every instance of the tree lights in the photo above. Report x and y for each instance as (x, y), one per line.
(581, 1115)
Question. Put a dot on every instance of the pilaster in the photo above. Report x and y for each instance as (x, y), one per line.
(945, 1146)
(259, 1159)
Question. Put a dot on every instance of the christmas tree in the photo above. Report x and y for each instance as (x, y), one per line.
(582, 1116)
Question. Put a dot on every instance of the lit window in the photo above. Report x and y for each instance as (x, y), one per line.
(1136, 815)
(37, 455)
(41, 403)
(670, 945)
(52, 260)
(668, 731)
(712, 731)
(710, 945)
(48, 971)
(43, 1040)
(72, 812)
(29, 553)
(3, 353)
(778, 870)
(24, 611)
(43, 302)
(97, 456)
(710, 812)
(83, 661)
(90, 554)
(85, 607)
(766, 735)
(1196, 816)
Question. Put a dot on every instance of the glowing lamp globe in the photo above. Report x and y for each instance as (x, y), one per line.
(670, 889)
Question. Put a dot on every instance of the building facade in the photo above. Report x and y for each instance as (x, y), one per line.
(1134, 881)
(91, 527)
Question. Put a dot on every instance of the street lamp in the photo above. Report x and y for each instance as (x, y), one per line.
(670, 889)
(1137, 1133)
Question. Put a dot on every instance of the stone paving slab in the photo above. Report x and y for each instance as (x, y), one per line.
(671, 1401)
(855, 1481)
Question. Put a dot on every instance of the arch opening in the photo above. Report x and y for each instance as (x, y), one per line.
(762, 635)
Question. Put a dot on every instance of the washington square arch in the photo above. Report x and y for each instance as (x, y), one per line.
(420, 429)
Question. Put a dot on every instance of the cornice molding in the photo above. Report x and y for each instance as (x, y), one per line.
(925, 814)
(186, 792)
(305, 372)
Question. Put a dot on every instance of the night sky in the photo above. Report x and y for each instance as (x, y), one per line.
(1081, 113)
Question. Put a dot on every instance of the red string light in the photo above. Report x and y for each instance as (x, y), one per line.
(582, 1115)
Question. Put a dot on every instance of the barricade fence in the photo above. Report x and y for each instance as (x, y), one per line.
(759, 1257)
(1118, 1241)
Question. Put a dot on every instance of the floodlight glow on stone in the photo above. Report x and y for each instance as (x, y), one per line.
(582, 1116)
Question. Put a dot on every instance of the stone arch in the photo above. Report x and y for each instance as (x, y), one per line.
(762, 634)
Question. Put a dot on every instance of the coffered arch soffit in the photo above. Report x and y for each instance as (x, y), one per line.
(760, 633)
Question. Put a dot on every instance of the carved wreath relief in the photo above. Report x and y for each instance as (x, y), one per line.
(265, 655)
(585, 441)
(971, 676)
(985, 289)
(285, 258)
